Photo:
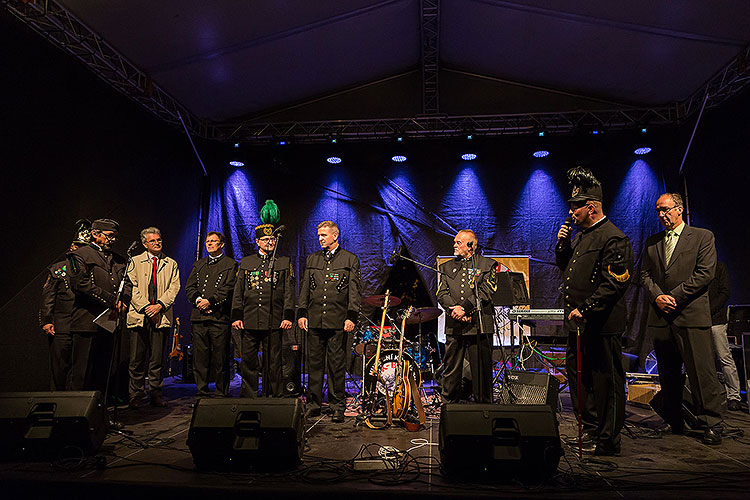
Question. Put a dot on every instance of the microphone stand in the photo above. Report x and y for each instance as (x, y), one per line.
(481, 331)
(398, 256)
(267, 349)
(114, 425)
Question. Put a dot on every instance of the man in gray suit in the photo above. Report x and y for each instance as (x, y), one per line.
(678, 265)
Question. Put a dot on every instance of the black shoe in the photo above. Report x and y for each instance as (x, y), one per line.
(312, 413)
(734, 405)
(607, 450)
(588, 443)
(338, 416)
(712, 436)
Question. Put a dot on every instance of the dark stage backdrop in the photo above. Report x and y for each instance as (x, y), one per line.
(74, 148)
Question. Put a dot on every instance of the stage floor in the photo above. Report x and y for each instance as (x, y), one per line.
(651, 465)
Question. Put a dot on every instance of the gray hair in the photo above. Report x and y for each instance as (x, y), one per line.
(149, 230)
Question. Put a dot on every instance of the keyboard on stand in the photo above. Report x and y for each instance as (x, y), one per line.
(536, 315)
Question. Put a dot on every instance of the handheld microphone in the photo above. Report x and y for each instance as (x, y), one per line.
(568, 221)
(279, 229)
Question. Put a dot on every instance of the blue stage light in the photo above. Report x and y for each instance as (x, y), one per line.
(236, 144)
(644, 130)
(282, 143)
(333, 160)
(469, 137)
(468, 156)
(541, 134)
(399, 139)
(595, 132)
(398, 158)
(236, 163)
(643, 150)
(541, 153)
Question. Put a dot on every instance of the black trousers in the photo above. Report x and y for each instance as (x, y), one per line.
(60, 360)
(479, 352)
(251, 343)
(325, 350)
(211, 354)
(90, 355)
(693, 347)
(146, 352)
(602, 385)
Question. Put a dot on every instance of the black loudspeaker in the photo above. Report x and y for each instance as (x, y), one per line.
(41, 424)
(530, 388)
(511, 290)
(245, 433)
(499, 442)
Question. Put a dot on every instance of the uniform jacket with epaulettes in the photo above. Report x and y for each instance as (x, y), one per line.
(252, 302)
(597, 268)
(213, 280)
(330, 291)
(57, 298)
(95, 276)
(456, 288)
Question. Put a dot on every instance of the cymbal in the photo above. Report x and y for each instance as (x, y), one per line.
(379, 301)
(423, 314)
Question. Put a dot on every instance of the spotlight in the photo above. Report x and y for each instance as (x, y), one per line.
(282, 143)
(333, 160)
(642, 151)
(236, 163)
(541, 153)
(644, 130)
(399, 139)
(594, 132)
(399, 158)
(468, 156)
(541, 134)
(469, 137)
(333, 141)
(236, 144)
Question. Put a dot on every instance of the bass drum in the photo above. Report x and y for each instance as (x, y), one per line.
(389, 369)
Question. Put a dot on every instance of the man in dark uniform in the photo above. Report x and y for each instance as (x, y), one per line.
(329, 302)
(56, 309)
(95, 275)
(460, 280)
(597, 267)
(262, 306)
(678, 266)
(209, 289)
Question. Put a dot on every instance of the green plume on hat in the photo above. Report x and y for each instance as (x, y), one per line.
(270, 214)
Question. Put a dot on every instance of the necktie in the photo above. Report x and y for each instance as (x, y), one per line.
(669, 245)
(329, 255)
(152, 284)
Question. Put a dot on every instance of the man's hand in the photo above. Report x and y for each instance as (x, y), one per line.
(238, 325)
(302, 322)
(153, 310)
(666, 303)
(349, 325)
(564, 232)
(575, 315)
(457, 312)
(121, 307)
(203, 304)
(49, 329)
(286, 324)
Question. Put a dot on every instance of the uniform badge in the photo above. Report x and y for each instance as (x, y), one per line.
(619, 277)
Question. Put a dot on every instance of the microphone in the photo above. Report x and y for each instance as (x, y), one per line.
(132, 247)
(395, 256)
(568, 221)
(279, 229)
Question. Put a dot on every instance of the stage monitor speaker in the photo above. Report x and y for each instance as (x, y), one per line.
(247, 433)
(41, 424)
(530, 388)
(511, 290)
(499, 442)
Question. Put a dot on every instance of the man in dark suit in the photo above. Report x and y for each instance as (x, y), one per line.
(56, 309)
(209, 289)
(329, 302)
(678, 265)
(463, 335)
(596, 266)
(263, 306)
(95, 274)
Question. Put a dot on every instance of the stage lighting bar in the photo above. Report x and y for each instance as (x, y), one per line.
(541, 153)
(468, 156)
(642, 151)
(333, 160)
(398, 158)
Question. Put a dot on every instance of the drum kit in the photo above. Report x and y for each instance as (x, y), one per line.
(393, 365)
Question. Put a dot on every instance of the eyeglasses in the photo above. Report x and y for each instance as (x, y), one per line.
(664, 211)
(267, 239)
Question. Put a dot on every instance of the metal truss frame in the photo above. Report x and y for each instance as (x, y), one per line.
(430, 10)
(63, 29)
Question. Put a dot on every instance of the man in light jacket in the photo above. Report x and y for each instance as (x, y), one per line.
(156, 281)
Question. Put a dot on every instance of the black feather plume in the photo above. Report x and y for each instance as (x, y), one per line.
(582, 177)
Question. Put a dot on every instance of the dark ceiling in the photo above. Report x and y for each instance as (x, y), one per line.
(278, 60)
